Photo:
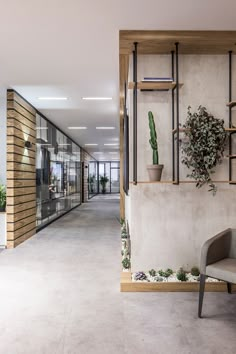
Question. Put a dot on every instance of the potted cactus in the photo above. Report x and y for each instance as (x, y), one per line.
(154, 170)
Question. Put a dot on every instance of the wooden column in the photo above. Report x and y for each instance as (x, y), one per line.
(21, 175)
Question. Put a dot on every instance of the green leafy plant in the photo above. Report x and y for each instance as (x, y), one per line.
(169, 271)
(181, 275)
(165, 273)
(126, 263)
(153, 139)
(124, 233)
(203, 146)
(103, 181)
(195, 271)
(122, 221)
(2, 197)
(152, 272)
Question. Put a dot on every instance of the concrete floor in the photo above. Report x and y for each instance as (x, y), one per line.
(59, 293)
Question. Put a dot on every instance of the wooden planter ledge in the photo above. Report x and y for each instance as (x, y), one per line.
(127, 285)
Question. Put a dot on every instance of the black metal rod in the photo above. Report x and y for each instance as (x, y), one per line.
(135, 114)
(177, 109)
(230, 114)
(173, 116)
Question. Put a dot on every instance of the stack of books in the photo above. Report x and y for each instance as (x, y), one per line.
(157, 79)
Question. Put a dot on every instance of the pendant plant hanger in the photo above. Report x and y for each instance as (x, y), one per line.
(203, 146)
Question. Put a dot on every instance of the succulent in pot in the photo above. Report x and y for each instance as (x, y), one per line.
(154, 170)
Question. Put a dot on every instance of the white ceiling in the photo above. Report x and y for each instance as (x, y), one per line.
(71, 48)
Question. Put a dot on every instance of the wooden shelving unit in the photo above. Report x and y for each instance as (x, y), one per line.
(185, 43)
(159, 86)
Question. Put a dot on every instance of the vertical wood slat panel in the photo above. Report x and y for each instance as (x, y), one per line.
(20, 169)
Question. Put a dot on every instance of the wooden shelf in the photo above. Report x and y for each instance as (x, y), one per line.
(182, 130)
(231, 104)
(180, 182)
(153, 85)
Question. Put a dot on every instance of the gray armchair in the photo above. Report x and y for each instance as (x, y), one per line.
(218, 260)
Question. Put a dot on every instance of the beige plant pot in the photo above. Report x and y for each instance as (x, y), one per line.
(154, 172)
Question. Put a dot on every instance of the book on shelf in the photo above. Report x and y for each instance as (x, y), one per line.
(157, 79)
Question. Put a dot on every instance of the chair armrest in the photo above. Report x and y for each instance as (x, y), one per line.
(215, 249)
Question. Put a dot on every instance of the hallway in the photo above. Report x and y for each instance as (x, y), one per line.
(59, 294)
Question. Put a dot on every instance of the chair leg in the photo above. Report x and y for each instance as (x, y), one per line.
(229, 288)
(201, 294)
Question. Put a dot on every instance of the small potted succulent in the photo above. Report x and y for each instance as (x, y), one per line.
(154, 170)
(2, 198)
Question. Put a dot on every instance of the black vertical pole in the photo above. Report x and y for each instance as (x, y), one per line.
(135, 114)
(177, 109)
(230, 114)
(173, 116)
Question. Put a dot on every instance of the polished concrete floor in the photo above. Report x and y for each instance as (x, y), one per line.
(59, 294)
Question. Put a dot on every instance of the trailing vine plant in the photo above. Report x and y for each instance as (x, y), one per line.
(203, 146)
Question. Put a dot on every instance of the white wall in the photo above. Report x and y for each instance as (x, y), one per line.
(3, 146)
(169, 223)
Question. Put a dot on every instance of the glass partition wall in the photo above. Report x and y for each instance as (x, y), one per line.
(57, 172)
(92, 179)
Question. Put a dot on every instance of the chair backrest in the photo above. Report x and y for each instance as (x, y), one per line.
(232, 253)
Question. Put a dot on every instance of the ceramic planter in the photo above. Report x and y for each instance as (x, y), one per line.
(154, 172)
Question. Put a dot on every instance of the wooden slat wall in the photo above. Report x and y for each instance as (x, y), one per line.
(21, 178)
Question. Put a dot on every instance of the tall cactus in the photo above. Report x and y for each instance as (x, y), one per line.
(153, 139)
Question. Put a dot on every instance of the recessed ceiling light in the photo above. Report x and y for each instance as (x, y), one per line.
(53, 98)
(77, 127)
(90, 144)
(108, 128)
(111, 144)
(44, 144)
(97, 98)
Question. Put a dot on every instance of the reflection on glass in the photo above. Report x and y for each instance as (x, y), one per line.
(57, 172)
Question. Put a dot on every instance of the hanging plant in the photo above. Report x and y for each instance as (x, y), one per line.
(203, 146)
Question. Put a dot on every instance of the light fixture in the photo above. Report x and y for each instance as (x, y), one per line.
(28, 144)
(97, 98)
(41, 128)
(106, 128)
(111, 144)
(77, 127)
(90, 144)
(44, 144)
(64, 144)
(98, 152)
(53, 98)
